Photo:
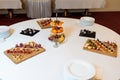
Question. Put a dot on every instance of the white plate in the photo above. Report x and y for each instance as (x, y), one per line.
(3, 29)
(87, 21)
(4, 32)
(79, 70)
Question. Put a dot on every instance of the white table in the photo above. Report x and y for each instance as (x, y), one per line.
(10, 4)
(49, 65)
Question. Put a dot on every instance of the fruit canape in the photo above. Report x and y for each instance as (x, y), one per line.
(102, 47)
(44, 23)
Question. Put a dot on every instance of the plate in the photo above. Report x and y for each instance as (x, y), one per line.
(4, 32)
(29, 32)
(3, 29)
(79, 70)
(87, 21)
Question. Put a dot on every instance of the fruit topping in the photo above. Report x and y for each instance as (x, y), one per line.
(56, 23)
(57, 29)
(59, 38)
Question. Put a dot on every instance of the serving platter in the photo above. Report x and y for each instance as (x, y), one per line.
(101, 47)
(23, 51)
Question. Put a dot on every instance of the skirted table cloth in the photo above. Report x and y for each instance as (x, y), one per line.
(79, 4)
(38, 8)
(10, 4)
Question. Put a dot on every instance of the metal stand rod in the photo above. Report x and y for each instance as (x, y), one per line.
(86, 12)
(65, 12)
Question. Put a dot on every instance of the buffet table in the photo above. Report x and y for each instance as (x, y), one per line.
(49, 64)
(79, 4)
(10, 4)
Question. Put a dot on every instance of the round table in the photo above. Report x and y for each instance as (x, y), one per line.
(49, 64)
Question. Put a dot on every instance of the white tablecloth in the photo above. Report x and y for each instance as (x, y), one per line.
(79, 4)
(10, 4)
(38, 8)
(49, 64)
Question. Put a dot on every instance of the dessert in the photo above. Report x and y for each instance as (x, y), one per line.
(44, 23)
(29, 32)
(87, 33)
(24, 51)
(102, 47)
(57, 34)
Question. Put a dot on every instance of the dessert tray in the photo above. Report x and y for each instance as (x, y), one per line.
(87, 33)
(23, 51)
(44, 23)
(57, 34)
(101, 47)
(29, 32)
